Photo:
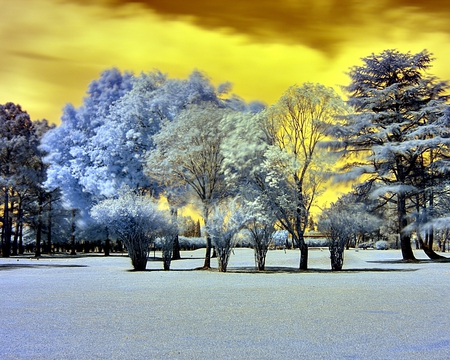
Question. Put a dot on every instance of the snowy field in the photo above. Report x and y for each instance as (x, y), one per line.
(93, 307)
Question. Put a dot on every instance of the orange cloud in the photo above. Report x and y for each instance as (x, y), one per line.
(52, 49)
(324, 25)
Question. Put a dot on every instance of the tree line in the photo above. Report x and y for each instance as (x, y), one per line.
(250, 169)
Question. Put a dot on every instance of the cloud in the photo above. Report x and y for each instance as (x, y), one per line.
(35, 56)
(324, 25)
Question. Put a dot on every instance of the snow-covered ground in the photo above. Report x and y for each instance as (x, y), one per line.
(93, 307)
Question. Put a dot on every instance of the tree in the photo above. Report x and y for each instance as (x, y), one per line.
(260, 237)
(277, 150)
(188, 150)
(135, 220)
(21, 168)
(223, 227)
(70, 149)
(343, 222)
(397, 120)
(335, 224)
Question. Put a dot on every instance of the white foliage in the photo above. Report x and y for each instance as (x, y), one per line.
(135, 220)
(223, 227)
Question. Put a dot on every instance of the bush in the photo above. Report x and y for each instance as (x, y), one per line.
(191, 243)
(381, 245)
(365, 246)
(317, 242)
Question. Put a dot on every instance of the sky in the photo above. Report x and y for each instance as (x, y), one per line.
(52, 49)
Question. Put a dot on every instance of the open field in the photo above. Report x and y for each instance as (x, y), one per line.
(93, 307)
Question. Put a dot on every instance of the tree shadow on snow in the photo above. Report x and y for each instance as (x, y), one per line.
(287, 270)
(14, 266)
(417, 261)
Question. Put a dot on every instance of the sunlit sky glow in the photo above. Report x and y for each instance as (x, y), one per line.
(52, 49)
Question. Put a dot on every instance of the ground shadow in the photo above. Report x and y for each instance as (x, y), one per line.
(14, 266)
(278, 270)
(417, 261)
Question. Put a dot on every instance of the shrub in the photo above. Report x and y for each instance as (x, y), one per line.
(381, 245)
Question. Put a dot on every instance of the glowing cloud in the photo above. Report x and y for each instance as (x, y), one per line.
(52, 49)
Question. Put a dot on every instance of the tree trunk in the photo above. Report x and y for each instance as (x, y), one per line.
(336, 257)
(261, 259)
(405, 239)
(107, 243)
(6, 243)
(176, 244)
(303, 256)
(139, 263)
(18, 232)
(49, 229)
(166, 261)
(39, 228)
(176, 249)
(430, 252)
(207, 263)
(14, 242)
(222, 259)
(21, 247)
(72, 237)
(37, 252)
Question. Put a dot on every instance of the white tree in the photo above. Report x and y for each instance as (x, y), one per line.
(188, 150)
(260, 226)
(283, 160)
(336, 225)
(135, 220)
(396, 127)
(224, 225)
(260, 234)
(343, 222)
(69, 146)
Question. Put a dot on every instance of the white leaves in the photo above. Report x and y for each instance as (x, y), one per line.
(391, 189)
(130, 215)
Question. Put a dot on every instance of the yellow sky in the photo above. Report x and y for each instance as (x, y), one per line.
(51, 49)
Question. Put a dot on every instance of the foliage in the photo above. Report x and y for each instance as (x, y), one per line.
(276, 152)
(381, 245)
(223, 227)
(22, 172)
(342, 222)
(71, 155)
(397, 125)
(135, 220)
(188, 152)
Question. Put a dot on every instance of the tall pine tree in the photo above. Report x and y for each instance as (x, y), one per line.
(397, 119)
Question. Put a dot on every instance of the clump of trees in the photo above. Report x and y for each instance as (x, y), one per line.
(22, 172)
(192, 142)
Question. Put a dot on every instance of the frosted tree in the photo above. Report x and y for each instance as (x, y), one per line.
(260, 235)
(225, 223)
(336, 224)
(69, 146)
(188, 151)
(397, 121)
(343, 222)
(260, 226)
(122, 143)
(277, 150)
(119, 145)
(135, 220)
